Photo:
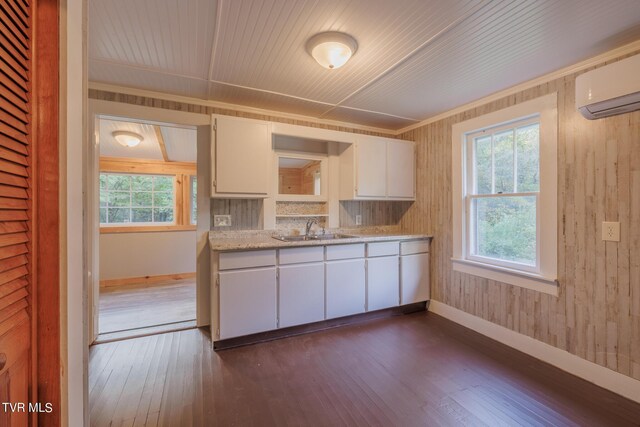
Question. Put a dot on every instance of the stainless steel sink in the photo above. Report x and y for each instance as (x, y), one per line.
(295, 238)
(334, 236)
(313, 237)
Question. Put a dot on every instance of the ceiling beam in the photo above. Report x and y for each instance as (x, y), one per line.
(161, 143)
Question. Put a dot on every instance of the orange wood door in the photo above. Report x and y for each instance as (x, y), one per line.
(15, 210)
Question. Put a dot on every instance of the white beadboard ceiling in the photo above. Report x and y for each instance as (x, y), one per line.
(180, 142)
(415, 58)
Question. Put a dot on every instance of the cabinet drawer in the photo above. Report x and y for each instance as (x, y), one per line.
(247, 259)
(345, 251)
(299, 255)
(382, 249)
(414, 247)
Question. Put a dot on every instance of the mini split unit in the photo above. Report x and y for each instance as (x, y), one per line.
(609, 90)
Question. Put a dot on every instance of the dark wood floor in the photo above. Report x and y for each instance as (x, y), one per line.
(134, 306)
(414, 370)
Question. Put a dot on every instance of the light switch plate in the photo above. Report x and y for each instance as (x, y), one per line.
(358, 219)
(222, 220)
(611, 231)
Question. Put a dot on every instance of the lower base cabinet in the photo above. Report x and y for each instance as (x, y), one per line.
(345, 287)
(247, 301)
(301, 296)
(383, 283)
(414, 278)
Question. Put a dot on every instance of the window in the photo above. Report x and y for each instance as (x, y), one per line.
(505, 177)
(194, 200)
(138, 199)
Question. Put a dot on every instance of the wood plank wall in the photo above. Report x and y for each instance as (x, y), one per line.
(597, 313)
(247, 213)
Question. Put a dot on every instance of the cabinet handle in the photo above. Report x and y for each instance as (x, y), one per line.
(3, 360)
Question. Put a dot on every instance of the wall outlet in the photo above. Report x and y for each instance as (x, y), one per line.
(611, 231)
(358, 219)
(222, 220)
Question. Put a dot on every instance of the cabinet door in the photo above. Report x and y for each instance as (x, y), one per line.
(242, 156)
(401, 169)
(371, 166)
(345, 287)
(247, 301)
(383, 282)
(414, 278)
(301, 294)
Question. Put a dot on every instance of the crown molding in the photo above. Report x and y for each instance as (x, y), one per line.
(235, 107)
(593, 61)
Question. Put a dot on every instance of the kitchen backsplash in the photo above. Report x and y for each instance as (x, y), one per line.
(246, 214)
(373, 213)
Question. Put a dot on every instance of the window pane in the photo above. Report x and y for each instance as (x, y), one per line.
(162, 200)
(103, 199)
(503, 161)
(163, 183)
(103, 215)
(141, 183)
(528, 154)
(482, 169)
(162, 215)
(118, 182)
(118, 215)
(141, 198)
(194, 201)
(505, 228)
(119, 199)
(141, 215)
(103, 181)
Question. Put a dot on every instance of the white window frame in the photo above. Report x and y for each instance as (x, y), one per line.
(140, 224)
(542, 277)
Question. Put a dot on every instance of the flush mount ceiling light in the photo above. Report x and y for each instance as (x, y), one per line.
(127, 139)
(332, 49)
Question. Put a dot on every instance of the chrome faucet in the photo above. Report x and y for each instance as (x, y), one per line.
(310, 223)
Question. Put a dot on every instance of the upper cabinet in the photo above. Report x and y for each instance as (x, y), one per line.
(241, 157)
(376, 168)
(401, 170)
(357, 167)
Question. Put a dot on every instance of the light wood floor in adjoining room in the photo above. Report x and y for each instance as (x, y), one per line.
(139, 306)
(413, 370)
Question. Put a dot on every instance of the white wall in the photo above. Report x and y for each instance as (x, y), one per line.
(124, 255)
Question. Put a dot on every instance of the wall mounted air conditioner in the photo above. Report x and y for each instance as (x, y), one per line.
(609, 90)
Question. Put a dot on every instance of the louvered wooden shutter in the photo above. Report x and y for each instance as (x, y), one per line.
(15, 206)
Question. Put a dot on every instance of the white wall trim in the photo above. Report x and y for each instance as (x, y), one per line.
(589, 371)
(546, 108)
(234, 107)
(583, 65)
(522, 279)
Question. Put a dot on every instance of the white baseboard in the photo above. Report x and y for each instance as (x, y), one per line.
(592, 372)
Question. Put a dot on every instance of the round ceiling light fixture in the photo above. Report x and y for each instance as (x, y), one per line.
(126, 138)
(332, 49)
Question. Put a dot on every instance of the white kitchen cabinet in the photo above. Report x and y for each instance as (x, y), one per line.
(241, 156)
(383, 282)
(401, 175)
(376, 168)
(301, 296)
(247, 301)
(414, 278)
(345, 287)
(371, 166)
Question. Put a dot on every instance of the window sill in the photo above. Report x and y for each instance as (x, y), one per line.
(145, 228)
(522, 279)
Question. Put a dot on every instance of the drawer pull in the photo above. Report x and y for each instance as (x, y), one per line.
(3, 360)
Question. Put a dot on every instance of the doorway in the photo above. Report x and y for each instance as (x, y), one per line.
(145, 245)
